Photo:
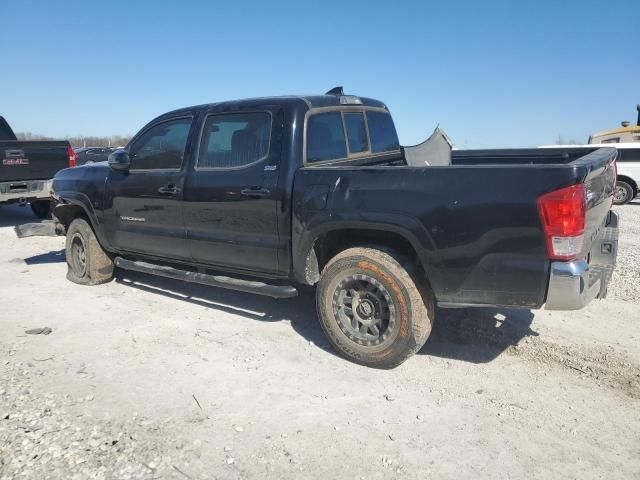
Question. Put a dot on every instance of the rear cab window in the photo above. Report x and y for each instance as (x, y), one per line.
(356, 132)
(384, 137)
(346, 134)
(325, 137)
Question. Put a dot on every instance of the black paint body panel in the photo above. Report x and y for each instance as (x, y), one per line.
(474, 225)
(29, 160)
(32, 160)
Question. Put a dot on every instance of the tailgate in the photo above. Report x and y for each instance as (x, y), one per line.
(599, 186)
(573, 284)
(32, 160)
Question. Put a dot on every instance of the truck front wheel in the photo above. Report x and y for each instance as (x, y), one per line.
(87, 262)
(371, 309)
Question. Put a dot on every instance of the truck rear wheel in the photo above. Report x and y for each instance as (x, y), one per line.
(87, 262)
(371, 309)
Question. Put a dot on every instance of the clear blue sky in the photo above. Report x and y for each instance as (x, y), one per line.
(490, 73)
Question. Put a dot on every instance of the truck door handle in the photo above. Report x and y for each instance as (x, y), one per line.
(170, 190)
(255, 192)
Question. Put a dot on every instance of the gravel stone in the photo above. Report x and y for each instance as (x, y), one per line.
(562, 405)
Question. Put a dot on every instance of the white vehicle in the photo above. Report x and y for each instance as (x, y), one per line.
(625, 133)
(628, 163)
(628, 172)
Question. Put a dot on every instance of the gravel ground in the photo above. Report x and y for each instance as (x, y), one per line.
(625, 284)
(149, 378)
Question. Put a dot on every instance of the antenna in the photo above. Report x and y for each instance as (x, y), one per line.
(337, 91)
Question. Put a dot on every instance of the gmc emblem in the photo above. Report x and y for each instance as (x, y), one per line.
(15, 161)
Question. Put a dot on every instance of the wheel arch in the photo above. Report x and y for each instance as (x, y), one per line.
(65, 213)
(325, 244)
(78, 206)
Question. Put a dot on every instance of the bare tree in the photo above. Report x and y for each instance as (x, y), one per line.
(561, 141)
(80, 141)
(28, 136)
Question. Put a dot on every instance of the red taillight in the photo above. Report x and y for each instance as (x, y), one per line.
(72, 157)
(563, 214)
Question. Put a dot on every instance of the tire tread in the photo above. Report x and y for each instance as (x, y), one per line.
(99, 265)
(420, 299)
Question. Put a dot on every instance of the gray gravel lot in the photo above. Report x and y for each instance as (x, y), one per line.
(150, 378)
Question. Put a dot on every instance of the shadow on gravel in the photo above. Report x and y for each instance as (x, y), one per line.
(54, 256)
(477, 335)
(300, 311)
(13, 215)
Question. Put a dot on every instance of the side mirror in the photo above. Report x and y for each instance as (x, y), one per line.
(119, 160)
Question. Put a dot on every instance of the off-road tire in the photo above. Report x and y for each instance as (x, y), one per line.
(41, 208)
(411, 299)
(87, 262)
(629, 193)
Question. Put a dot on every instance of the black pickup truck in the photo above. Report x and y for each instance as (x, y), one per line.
(270, 194)
(28, 167)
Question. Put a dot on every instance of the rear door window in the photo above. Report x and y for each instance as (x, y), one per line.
(356, 132)
(383, 132)
(234, 140)
(325, 137)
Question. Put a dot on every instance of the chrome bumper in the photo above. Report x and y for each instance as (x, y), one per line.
(572, 285)
(25, 191)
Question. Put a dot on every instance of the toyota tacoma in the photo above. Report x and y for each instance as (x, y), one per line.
(268, 195)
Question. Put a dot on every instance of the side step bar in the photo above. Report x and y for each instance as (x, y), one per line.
(260, 288)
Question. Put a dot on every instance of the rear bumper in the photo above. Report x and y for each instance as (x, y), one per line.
(24, 191)
(572, 285)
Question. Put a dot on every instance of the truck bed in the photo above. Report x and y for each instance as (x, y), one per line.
(476, 222)
(519, 156)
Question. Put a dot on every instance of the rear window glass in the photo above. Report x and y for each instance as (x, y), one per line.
(234, 140)
(356, 132)
(325, 137)
(383, 133)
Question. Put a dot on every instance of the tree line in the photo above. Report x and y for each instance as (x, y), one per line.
(80, 141)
